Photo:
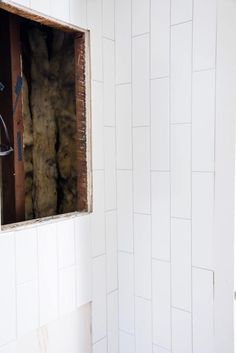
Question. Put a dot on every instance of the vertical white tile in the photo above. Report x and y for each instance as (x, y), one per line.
(83, 260)
(141, 169)
(123, 40)
(160, 38)
(203, 121)
(203, 219)
(157, 349)
(125, 210)
(143, 325)
(97, 125)
(78, 13)
(99, 312)
(160, 124)
(9, 348)
(203, 311)
(181, 332)
(127, 343)
(110, 168)
(27, 307)
(181, 264)
(181, 171)
(43, 6)
(140, 80)
(161, 304)
(111, 247)
(181, 11)
(8, 290)
(67, 290)
(160, 215)
(48, 278)
(204, 34)
(124, 126)
(112, 323)
(126, 292)
(98, 217)
(26, 255)
(94, 18)
(142, 255)
(140, 16)
(108, 16)
(100, 347)
(60, 9)
(224, 203)
(181, 72)
(109, 81)
(66, 243)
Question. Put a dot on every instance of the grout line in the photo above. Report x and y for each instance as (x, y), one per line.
(37, 252)
(158, 346)
(116, 163)
(16, 288)
(161, 260)
(159, 78)
(127, 333)
(203, 171)
(191, 166)
(181, 218)
(58, 277)
(141, 213)
(140, 126)
(181, 123)
(181, 309)
(97, 81)
(150, 152)
(170, 166)
(215, 124)
(143, 298)
(123, 84)
(132, 125)
(140, 35)
(159, 171)
(125, 252)
(110, 211)
(180, 23)
(202, 268)
(104, 175)
(66, 267)
(204, 70)
(100, 340)
(19, 284)
(107, 38)
(112, 291)
(76, 231)
(97, 256)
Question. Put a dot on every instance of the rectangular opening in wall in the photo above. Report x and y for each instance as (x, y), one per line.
(44, 102)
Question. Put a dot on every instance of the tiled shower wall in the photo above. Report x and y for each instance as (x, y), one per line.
(149, 246)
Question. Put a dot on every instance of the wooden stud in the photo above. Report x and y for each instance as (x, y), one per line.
(80, 94)
(12, 165)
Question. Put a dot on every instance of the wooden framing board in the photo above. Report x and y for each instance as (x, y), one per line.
(11, 108)
(83, 102)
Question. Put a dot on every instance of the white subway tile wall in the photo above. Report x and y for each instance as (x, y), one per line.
(144, 257)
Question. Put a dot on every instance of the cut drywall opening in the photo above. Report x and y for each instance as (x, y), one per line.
(44, 105)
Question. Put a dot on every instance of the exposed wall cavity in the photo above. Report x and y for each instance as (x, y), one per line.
(49, 114)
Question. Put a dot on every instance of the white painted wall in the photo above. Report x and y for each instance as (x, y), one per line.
(159, 245)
